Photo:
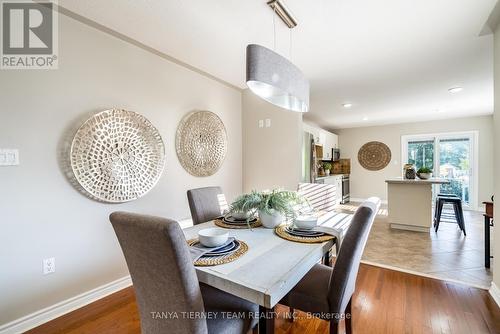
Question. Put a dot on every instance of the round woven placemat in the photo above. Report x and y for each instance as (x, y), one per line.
(221, 223)
(281, 232)
(374, 155)
(216, 260)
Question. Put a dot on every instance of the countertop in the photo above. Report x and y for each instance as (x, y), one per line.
(418, 181)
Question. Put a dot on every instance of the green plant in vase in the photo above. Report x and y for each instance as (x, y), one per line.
(327, 167)
(424, 173)
(272, 206)
(245, 205)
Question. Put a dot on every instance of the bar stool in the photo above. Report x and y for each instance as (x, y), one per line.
(456, 202)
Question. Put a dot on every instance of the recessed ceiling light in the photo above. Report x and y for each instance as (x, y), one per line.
(347, 105)
(454, 90)
(365, 118)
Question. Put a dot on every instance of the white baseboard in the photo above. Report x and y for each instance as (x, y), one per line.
(42, 316)
(495, 293)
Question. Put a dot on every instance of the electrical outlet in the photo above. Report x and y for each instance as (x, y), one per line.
(49, 265)
(268, 122)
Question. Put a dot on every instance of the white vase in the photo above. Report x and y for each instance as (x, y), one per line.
(270, 220)
(327, 172)
(424, 176)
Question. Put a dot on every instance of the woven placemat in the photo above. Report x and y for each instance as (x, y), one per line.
(221, 223)
(282, 233)
(216, 260)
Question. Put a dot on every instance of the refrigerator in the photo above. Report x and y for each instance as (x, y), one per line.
(309, 162)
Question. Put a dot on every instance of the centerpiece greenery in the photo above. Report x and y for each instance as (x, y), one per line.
(272, 206)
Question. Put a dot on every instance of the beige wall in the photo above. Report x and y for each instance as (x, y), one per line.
(496, 231)
(41, 214)
(366, 183)
(271, 156)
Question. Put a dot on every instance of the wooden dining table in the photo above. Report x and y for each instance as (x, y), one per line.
(268, 271)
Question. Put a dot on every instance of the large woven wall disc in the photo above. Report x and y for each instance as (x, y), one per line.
(374, 155)
(201, 143)
(117, 156)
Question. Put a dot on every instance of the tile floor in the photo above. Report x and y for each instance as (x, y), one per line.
(446, 254)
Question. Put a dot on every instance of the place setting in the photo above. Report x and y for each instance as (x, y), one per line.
(305, 229)
(214, 246)
(238, 220)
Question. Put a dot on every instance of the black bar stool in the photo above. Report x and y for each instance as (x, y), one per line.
(456, 202)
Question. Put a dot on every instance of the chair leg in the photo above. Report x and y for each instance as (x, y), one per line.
(461, 214)
(457, 215)
(348, 318)
(334, 327)
(438, 218)
(292, 311)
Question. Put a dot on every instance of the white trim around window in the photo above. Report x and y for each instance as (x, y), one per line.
(474, 155)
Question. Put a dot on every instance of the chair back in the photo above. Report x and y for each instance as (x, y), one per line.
(320, 197)
(162, 272)
(206, 203)
(345, 270)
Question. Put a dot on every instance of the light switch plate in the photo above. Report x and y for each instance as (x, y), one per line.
(9, 157)
(261, 123)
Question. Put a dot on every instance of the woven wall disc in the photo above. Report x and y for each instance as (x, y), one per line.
(117, 156)
(201, 143)
(374, 155)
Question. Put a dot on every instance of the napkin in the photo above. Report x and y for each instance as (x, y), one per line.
(198, 250)
(333, 223)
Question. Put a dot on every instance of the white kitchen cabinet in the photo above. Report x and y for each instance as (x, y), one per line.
(337, 181)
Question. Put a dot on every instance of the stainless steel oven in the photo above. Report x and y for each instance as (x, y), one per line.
(345, 189)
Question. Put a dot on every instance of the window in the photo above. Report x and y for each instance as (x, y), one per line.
(449, 155)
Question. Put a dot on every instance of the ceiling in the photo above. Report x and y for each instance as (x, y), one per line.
(394, 62)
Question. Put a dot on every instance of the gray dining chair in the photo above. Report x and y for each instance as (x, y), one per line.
(338, 282)
(206, 204)
(165, 281)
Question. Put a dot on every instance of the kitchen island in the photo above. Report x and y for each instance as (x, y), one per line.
(409, 203)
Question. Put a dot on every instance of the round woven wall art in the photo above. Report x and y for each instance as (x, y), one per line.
(374, 155)
(201, 143)
(117, 156)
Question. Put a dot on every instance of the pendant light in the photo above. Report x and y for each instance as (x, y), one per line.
(274, 78)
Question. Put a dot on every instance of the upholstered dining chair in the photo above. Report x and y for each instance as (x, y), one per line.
(340, 281)
(206, 203)
(165, 281)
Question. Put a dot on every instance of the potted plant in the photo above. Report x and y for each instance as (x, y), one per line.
(273, 207)
(327, 167)
(424, 173)
(245, 205)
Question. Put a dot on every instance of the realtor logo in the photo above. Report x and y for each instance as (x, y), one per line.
(29, 35)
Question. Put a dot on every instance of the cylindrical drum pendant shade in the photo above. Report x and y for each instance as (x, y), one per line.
(275, 79)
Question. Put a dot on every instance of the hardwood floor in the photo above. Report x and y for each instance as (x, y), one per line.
(386, 301)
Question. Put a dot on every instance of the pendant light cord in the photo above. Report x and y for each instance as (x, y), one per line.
(274, 28)
(290, 51)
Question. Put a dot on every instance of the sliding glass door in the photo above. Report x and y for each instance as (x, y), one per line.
(450, 156)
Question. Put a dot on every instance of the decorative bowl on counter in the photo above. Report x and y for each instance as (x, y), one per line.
(424, 176)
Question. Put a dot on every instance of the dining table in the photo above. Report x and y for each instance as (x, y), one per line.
(271, 267)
